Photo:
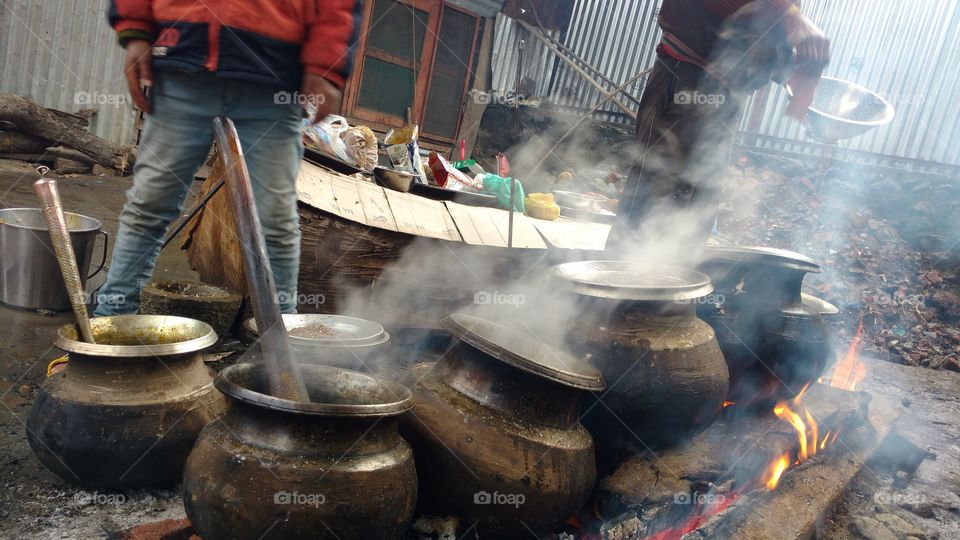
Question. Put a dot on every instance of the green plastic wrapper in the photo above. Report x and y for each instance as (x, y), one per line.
(500, 187)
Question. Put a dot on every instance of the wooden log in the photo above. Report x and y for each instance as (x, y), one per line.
(14, 142)
(40, 122)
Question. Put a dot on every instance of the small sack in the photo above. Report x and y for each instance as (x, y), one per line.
(361, 146)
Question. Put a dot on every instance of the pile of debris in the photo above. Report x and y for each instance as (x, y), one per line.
(885, 260)
(61, 140)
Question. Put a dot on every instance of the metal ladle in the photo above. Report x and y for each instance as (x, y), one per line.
(60, 235)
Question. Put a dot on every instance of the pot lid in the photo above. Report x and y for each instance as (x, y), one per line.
(523, 351)
(334, 330)
(623, 280)
(762, 255)
(821, 306)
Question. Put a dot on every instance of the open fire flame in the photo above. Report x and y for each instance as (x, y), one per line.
(847, 372)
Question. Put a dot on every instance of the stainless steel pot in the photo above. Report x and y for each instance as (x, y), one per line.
(29, 275)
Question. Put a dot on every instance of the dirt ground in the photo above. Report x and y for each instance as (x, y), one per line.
(34, 503)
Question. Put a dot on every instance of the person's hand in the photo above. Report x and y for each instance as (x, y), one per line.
(813, 47)
(320, 93)
(138, 71)
(813, 54)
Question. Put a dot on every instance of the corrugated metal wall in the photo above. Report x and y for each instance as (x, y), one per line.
(537, 59)
(906, 51)
(51, 51)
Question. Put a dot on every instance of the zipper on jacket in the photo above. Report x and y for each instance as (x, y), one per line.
(213, 36)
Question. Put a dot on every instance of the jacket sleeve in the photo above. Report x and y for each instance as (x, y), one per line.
(726, 8)
(132, 19)
(331, 39)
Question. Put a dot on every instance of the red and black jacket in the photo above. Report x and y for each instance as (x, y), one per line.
(267, 41)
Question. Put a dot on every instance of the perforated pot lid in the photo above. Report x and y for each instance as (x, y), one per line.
(763, 255)
(523, 351)
(624, 280)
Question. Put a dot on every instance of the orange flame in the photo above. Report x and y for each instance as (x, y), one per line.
(772, 477)
(728, 403)
(850, 370)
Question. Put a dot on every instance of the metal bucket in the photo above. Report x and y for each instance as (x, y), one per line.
(29, 275)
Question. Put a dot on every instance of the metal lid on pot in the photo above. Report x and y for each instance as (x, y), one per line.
(762, 255)
(523, 351)
(338, 330)
(623, 280)
(819, 305)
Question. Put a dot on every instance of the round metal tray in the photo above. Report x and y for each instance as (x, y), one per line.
(762, 255)
(347, 331)
(523, 351)
(623, 280)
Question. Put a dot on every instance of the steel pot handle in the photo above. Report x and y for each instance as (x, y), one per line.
(103, 260)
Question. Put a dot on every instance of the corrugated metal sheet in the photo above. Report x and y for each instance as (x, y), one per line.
(538, 61)
(55, 52)
(905, 51)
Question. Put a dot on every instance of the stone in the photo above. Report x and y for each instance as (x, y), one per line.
(871, 529)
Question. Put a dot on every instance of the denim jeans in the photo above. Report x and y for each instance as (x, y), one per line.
(176, 140)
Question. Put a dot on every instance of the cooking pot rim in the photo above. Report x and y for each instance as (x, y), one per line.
(368, 332)
(578, 277)
(68, 339)
(91, 224)
(404, 397)
(783, 258)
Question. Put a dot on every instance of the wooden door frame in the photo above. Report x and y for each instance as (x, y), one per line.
(378, 119)
(467, 76)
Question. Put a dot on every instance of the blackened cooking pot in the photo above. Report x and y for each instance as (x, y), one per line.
(637, 323)
(334, 468)
(496, 431)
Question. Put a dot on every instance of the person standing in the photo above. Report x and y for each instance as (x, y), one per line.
(256, 62)
(712, 56)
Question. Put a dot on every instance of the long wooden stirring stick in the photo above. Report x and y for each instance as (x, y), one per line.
(60, 235)
(283, 373)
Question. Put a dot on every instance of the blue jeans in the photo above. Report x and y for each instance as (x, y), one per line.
(176, 140)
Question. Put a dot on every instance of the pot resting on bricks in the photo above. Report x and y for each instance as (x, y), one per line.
(334, 468)
(773, 337)
(126, 411)
(495, 431)
(637, 323)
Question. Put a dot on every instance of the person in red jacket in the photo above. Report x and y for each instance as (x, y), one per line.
(713, 54)
(255, 61)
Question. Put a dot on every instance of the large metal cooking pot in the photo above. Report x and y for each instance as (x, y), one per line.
(496, 431)
(29, 274)
(773, 337)
(637, 324)
(126, 411)
(841, 110)
(334, 468)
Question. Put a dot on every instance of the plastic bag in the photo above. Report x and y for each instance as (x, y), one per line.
(500, 187)
(325, 135)
(446, 176)
(404, 152)
(361, 146)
